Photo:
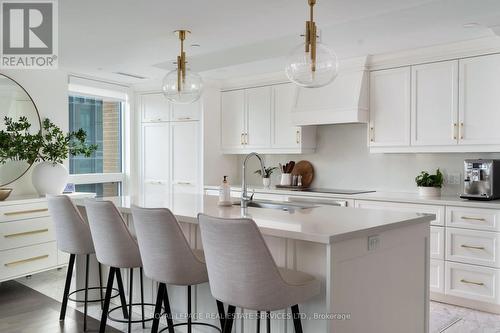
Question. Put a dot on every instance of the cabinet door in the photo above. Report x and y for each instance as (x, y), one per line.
(183, 112)
(155, 107)
(390, 107)
(285, 135)
(480, 100)
(434, 105)
(155, 153)
(185, 147)
(258, 129)
(233, 119)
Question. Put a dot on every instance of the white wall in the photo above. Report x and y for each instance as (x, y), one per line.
(49, 91)
(342, 160)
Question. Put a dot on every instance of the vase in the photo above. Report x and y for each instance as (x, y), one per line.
(49, 178)
(429, 191)
(266, 182)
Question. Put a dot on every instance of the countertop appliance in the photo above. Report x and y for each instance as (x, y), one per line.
(481, 179)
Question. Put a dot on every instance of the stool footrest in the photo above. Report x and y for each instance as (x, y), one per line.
(90, 300)
(126, 320)
(194, 324)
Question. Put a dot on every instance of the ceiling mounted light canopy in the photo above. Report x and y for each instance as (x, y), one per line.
(180, 85)
(311, 64)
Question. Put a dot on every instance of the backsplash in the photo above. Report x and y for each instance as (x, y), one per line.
(342, 160)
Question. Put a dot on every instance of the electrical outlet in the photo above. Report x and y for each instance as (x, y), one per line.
(373, 242)
(453, 178)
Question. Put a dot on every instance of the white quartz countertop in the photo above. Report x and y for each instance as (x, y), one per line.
(321, 224)
(34, 198)
(445, 200)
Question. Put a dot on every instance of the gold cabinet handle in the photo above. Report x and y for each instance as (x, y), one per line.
(183, 183)
(372, 138)
(24, 261)
(246, 138)
(297, 136)
(473, 218)
(242, 138)
(461, 130)
(30, 211)
(26, 233)
(472, 247)
(472, 282)
(455, 127)
(184, 118)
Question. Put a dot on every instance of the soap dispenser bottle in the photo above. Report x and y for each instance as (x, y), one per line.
(225, 193)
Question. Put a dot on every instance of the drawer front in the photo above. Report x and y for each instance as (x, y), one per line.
(436, 279)
(25, 260)
(473, 218)
(472, 282)
(473, 247)
(24, 211)
(437, 242)
(26, 232)
(405, 207)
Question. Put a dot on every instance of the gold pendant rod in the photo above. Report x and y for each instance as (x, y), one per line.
(181, 60)
(311, 35)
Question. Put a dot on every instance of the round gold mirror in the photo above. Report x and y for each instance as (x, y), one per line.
(15, 102)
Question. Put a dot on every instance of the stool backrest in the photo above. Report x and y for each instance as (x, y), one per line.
(166, 254)
(114, 245)
(240, 267)
(72, 231)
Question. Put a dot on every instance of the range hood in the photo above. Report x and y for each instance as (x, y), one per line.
(345, 100)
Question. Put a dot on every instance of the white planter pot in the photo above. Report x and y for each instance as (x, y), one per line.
(49, 178)
(429, 191)
(266, 182)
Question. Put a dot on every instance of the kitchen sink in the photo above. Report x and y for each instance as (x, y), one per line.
(277, 205)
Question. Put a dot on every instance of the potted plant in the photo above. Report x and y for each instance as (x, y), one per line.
(429, 185)
(49, 147)
(266, 177)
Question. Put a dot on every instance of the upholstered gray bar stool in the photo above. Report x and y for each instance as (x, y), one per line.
(73, 237)
(243, 273)
(116, 248)
(169, 260)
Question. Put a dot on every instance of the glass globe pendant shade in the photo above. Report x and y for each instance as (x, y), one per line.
(299, 67)
(191, 87)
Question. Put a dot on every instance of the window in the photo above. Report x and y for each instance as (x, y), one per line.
(101, 114)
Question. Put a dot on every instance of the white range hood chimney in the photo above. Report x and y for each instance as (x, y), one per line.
(343, 101)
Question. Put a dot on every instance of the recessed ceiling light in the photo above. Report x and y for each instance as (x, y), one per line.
(471, 25)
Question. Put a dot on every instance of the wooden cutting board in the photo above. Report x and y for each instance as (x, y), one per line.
(306, 170)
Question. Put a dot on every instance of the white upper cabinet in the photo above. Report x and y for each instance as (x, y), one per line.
(186, 112)
(258, 118)
(285, 135)
(233, 119)
(480, 100)
(434, 104)
(390, 107)
(154, 107)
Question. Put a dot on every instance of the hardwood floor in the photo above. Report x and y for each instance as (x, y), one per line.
(24, 310)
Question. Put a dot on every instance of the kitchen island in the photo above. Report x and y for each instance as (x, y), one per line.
(373, 264)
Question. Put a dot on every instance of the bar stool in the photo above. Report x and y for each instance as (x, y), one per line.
(168, 259)
(116, 248)
(73, 237)
(243, 273)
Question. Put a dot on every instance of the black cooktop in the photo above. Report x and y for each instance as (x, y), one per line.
(336, 191)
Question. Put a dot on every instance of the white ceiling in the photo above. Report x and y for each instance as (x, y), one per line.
(240, 37)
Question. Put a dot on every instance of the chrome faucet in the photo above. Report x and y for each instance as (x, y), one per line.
(244, 195)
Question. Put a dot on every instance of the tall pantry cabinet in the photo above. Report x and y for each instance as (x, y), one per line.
(170, 149)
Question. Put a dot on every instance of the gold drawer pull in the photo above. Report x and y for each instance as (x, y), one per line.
(473, 218)
(472, 247)
(184, 118)
(20, 212)
(26, 233)
(183, 183)
(472, 282)
(24, 261)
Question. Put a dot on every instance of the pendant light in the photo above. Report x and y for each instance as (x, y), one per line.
(311, 64)
(181, 86)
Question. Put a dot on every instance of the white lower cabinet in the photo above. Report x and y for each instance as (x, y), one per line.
(437, 242)
(436, 276)
(473, 247)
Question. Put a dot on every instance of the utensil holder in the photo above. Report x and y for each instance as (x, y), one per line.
(286, 179)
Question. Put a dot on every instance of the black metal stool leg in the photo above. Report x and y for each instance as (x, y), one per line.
(268, 321)
(296, 319)
(142, 298)
(107, 299)
(131, 288)
(157, 313)
(86, 292)
(100, 284)
(258, 321)
(189, 309)
(222, 315)
(122, 293)
(228, 323)
(67, 285)
(168, 311)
